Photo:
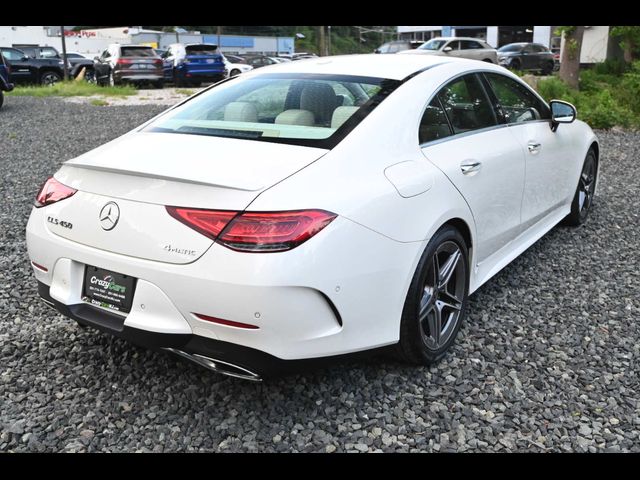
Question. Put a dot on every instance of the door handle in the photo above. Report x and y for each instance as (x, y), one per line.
(470, 167)
(533, 147)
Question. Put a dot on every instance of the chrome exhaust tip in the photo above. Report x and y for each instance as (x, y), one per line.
(218, 366)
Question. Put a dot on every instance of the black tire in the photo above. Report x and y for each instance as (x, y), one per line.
(547, 68)
(177, 80)
(159, 84)
(583, 198)
(234, 72)
(195, 84)
(90, 75)
(49, 78)
(1, 98)
(515, 64)
(416, 343)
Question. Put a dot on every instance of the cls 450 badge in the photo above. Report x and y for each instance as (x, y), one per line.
(60, 223)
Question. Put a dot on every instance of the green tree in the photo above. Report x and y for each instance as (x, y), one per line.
(629, 37)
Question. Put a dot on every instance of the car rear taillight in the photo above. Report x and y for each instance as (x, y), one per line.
(253, 231)
(157, 62)
(124, 61)
(208, 222)
(53, 191)
(273, 231)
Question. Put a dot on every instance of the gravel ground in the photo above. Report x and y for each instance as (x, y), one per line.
(546, 360)
(167, 96)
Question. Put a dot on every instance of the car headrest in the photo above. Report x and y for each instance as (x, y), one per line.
(341, 115)
(241, 112)
(320, 99)
(296, 117)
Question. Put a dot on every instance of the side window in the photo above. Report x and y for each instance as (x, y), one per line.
(105, 54)
(466, 104)
(517, 102)
(455, 45)
(469, 45)
(434, 124)
(528, 49)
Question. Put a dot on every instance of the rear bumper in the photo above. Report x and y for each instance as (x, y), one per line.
(260, 363)
(201, 73)
(138, 76)
(330, 296)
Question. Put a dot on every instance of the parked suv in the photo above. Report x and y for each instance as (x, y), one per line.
(25, 69)
(465, 47)
(5, 85)
(128, 63)
(397, 46)
(193, 63)
(527, 56)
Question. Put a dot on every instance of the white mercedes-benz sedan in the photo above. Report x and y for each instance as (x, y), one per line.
(310, 210)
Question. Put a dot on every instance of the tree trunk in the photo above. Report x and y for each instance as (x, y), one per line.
(629, 48)
(570, 60)
(322, 42)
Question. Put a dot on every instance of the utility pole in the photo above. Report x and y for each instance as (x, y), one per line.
(329, 41)
(64, 54)
(219, 32)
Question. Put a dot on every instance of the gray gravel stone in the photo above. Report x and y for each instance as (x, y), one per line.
(546, 360)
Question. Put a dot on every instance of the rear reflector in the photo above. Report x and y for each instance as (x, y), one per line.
(273, 231)
(226, 322)
(39, 267)
(208, 222)
(51, 192)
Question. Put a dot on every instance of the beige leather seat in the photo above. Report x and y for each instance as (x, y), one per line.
(320, 99)
(296, 116)
(241, 112)
(341, 115)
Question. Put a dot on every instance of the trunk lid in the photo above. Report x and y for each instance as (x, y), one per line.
(144, 172)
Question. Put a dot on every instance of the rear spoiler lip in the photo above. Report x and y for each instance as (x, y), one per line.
(159, 177)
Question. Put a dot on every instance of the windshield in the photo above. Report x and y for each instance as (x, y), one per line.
(432, 45)
(138, 52)
(300, 109)
(510, 48)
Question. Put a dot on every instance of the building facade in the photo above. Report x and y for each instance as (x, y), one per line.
(92, 42)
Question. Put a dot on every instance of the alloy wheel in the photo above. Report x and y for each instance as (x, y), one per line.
(586, 185)
(442, 296)
(50, 79)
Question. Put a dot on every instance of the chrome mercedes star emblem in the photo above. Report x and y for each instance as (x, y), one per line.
(109, 216)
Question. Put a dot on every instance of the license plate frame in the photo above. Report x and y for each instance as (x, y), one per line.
(108, 289)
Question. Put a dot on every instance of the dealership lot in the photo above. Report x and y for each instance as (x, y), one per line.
(546, 360)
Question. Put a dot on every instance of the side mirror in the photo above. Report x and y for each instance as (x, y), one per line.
(25, 57)
(447, 49)
(561, 112)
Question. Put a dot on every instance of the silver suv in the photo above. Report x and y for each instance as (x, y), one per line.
(465, 47)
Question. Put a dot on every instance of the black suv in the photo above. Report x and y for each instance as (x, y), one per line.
(5, 85)
(527, 56)
(25, 69)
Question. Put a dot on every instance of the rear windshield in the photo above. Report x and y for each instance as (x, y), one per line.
(137, 52)
(301, 109)
(201, 50)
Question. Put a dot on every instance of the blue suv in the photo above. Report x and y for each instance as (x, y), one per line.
(193, 64)
(5, 86)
